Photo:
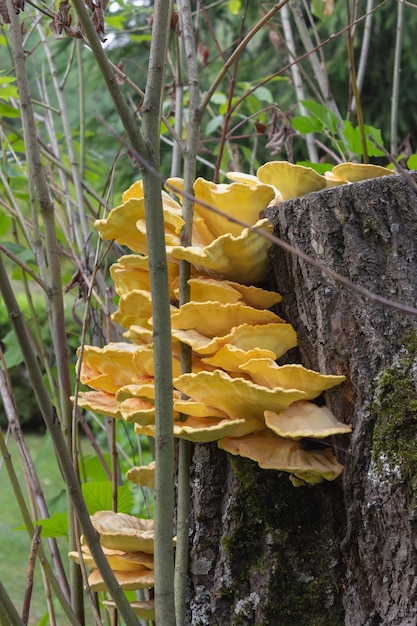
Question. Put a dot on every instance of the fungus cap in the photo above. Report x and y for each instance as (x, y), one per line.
(230, 358)
(144, 609)
(273, 452)
(142, 475)
(291, 180)
(305, 419)
(135, 308)
(128, 581)
(109, 368)
(292, 376)
(238, 200)
(243, 258)
(355, 172)
(193, 408)
(119, 531)
(118, 560)
(214, 319)
(277, 338)
(237, 397)
(207, 429)
(206, 289)
(99, 402)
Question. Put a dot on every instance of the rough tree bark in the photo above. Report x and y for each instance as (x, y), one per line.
(265, 553)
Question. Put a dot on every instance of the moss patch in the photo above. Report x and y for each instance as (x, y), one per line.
(283, 549)
(394, 411)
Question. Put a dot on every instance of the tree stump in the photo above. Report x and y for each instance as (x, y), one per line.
(265, 553)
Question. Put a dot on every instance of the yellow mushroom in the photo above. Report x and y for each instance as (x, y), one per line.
(119, 531)
(278, 338)
(256, 297)
(109, 368)
(287, 455)
(126, 223)
(128, 581)
(144, 609)
(237, 397)
(230, 358)
(99, 402)
(305, 419)
(214, 319)
(242, 258)
(193, 408)
(292, 376)
(132, 272)
(118, 560)
(142, 475)
(291, 180)
(241, 177)
(355, 172)
(207, 429)
(237, 200)
(135, 308)
(205, 289)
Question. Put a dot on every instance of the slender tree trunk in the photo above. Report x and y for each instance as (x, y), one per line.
(265, 553)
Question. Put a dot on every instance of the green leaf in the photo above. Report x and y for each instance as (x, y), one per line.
(92, 469)
(218, 98)
(305, 125)
(234, 6)
(6, 110)
(140, 38)
(8, 92)
(214, 124)
(353, 138)
(115, 21)
(5, 222)
(44, 621)
(21, 252)
(98, 497)
(264, 95)
(18, 145)
(321, 168)
(322, 113)
(5, 80)
(58, 504)
(12, 353)
(317, 8)
(54, 526)
(412, 162)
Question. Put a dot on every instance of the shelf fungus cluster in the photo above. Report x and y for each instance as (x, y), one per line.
(236, 393)
(128, 544)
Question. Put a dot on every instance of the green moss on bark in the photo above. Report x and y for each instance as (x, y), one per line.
(283, 548)
(394, 411)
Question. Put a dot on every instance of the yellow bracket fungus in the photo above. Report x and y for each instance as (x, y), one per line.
(238, 200)
(237, 397)
(144, 609)
(242, 258)
(305, 419)
(277, 338)
(214, 319)
(267, 372)
(291, 180)
(142, 475)
(355, 172)
(287, 455)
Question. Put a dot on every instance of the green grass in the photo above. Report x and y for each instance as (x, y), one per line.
(15, 544)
